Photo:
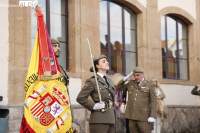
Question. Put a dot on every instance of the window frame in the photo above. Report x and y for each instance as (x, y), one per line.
(177, 59)
(48, 24)
(124, 51)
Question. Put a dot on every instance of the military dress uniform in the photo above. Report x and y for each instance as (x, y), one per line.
(141, 104)
(101, 121)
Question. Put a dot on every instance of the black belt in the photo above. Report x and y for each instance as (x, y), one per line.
(108, 105)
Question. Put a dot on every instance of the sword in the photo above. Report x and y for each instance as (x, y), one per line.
(94, 71)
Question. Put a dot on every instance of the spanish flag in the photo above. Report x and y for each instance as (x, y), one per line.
(47, 104)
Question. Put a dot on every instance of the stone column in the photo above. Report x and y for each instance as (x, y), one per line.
(89, 29)
(19, 21)
(154, 58)
(83, 24)
(74, 21)
(19, 47)
(193, 47)
(198, 39)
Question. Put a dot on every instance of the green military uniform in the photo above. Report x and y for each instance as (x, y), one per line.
(100, 121)
(140, 105)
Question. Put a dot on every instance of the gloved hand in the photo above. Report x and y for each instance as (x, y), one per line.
(122, 107)
(128, 76)
(99, 105)
(151, 120)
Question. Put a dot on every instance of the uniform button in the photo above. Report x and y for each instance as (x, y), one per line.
(109, 94)
(136, 94)
(135, 99)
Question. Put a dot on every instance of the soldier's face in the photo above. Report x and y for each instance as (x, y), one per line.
(103, 64)
(138, 76)
(56, 49)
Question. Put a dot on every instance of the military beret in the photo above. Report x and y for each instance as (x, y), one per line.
(138, 70)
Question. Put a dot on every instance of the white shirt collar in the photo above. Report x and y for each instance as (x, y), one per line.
(100, 74)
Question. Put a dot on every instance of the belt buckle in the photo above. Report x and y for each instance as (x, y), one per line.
(108, 106)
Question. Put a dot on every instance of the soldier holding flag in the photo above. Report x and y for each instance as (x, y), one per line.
(47, 104)
(102, 118)
(56, 49)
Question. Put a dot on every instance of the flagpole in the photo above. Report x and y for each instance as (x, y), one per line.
(94, 71)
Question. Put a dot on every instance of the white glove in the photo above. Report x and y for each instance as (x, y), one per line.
(151, 120)
(99, 105)
(128, 76)
(122, 108)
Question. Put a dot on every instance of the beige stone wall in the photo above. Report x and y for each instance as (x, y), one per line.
(143, 2)
(177, 94)
(19, 47)
(187, 5)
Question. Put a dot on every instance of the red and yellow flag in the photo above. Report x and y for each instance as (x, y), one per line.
(47, 105)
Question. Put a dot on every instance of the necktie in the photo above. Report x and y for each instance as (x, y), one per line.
(109, 89)
(106, 80)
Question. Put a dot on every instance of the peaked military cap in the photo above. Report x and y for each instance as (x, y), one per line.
(96, 59)
(138, 70)
(54, 41)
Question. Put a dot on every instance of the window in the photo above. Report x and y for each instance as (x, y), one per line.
(55, 15)
(174, 43)
(118, 36)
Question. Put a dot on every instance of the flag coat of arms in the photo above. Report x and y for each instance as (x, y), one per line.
(46, 106)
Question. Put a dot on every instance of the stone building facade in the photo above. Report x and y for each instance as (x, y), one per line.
(82, 20)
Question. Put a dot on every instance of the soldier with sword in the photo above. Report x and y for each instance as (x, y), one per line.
(101, 90)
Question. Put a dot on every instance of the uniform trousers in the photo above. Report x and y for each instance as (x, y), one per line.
(102, 128)
(136, 126)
